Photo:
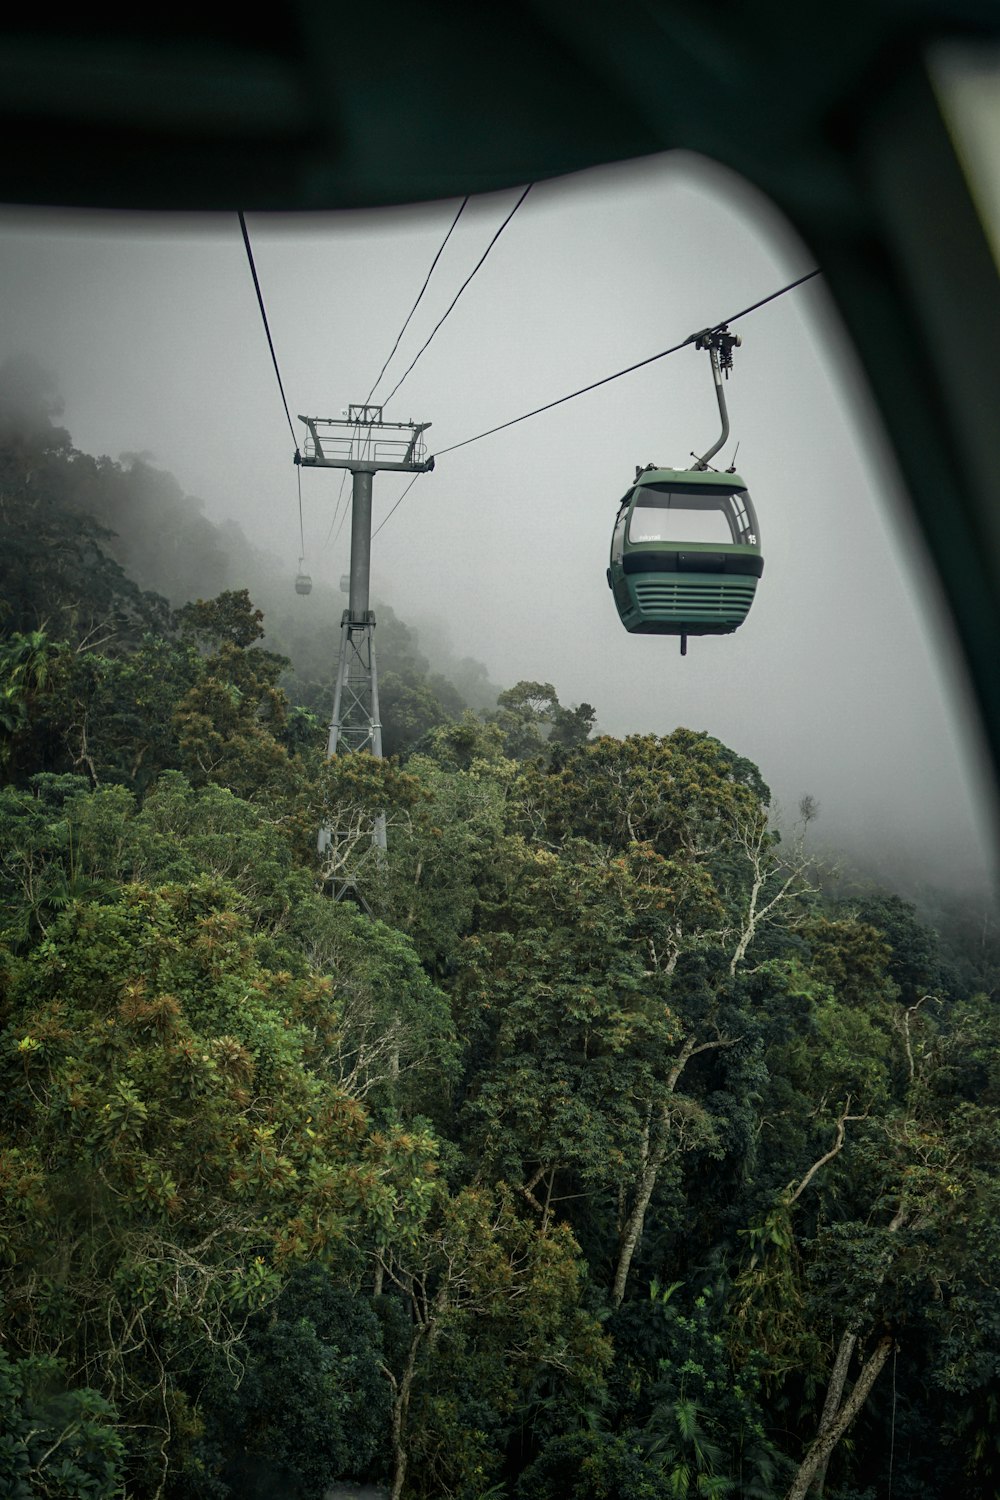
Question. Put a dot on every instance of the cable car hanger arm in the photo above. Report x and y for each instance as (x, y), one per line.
(720, 344)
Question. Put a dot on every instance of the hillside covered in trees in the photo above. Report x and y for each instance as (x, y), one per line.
(614, 1153)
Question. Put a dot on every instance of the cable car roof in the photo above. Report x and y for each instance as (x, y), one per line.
(712, 479)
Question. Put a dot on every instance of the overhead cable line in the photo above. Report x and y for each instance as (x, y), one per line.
(357, 429)
(640, 364)
(398, 503)
(336, 511)
(267, 328)
(606, 380)
(560, 400)
(754, 305)
(274, 361)
(302, 534)
(458, 294)
(420, 294)
(330, 533)
(409, 315)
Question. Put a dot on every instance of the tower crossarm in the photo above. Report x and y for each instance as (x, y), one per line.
(362, 441)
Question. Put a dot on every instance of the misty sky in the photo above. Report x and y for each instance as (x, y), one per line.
(841, 683)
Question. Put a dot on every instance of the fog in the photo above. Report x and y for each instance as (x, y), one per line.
(842, 683)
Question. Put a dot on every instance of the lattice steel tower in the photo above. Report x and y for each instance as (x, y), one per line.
(361, 441)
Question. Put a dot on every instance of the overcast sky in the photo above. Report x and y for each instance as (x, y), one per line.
(841, 683)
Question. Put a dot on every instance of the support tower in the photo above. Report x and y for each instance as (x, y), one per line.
(359, 440)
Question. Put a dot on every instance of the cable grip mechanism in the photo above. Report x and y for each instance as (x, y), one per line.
(720, 342)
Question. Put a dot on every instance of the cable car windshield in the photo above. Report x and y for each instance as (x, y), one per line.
(677, 513)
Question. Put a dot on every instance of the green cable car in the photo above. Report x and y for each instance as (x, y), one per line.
(685, 553)
(685, 550)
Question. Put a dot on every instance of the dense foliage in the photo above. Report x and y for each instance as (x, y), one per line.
(604, 1150)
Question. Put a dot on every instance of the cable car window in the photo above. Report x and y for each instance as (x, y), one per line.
(667, 515)
(618, 535)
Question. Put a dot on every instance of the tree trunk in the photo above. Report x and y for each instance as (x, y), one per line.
(848, 1342)
(633, 1224)
(834, 1394)
(655, 1158)
(400, 1406)
(825, 1442)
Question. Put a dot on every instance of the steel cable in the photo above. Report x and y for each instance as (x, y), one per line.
(274, 361)
(640, 364)
(420, 294)
(607, 379)
(458, 294)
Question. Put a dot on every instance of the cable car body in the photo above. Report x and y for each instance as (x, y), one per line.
(303, 583)
(685, 553)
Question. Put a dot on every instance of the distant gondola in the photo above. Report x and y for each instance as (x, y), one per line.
(303, 583)
(685, 550)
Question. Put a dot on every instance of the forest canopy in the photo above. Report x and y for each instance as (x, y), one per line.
(603, 1145)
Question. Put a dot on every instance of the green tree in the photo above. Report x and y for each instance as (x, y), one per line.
(443, 853)
(312, 1402)
(488, 1299)
(231, 724)
(55, 1440)
(168, 1154)
(533, 722)
(29, 669)
(593, 1466)
(57, 571)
